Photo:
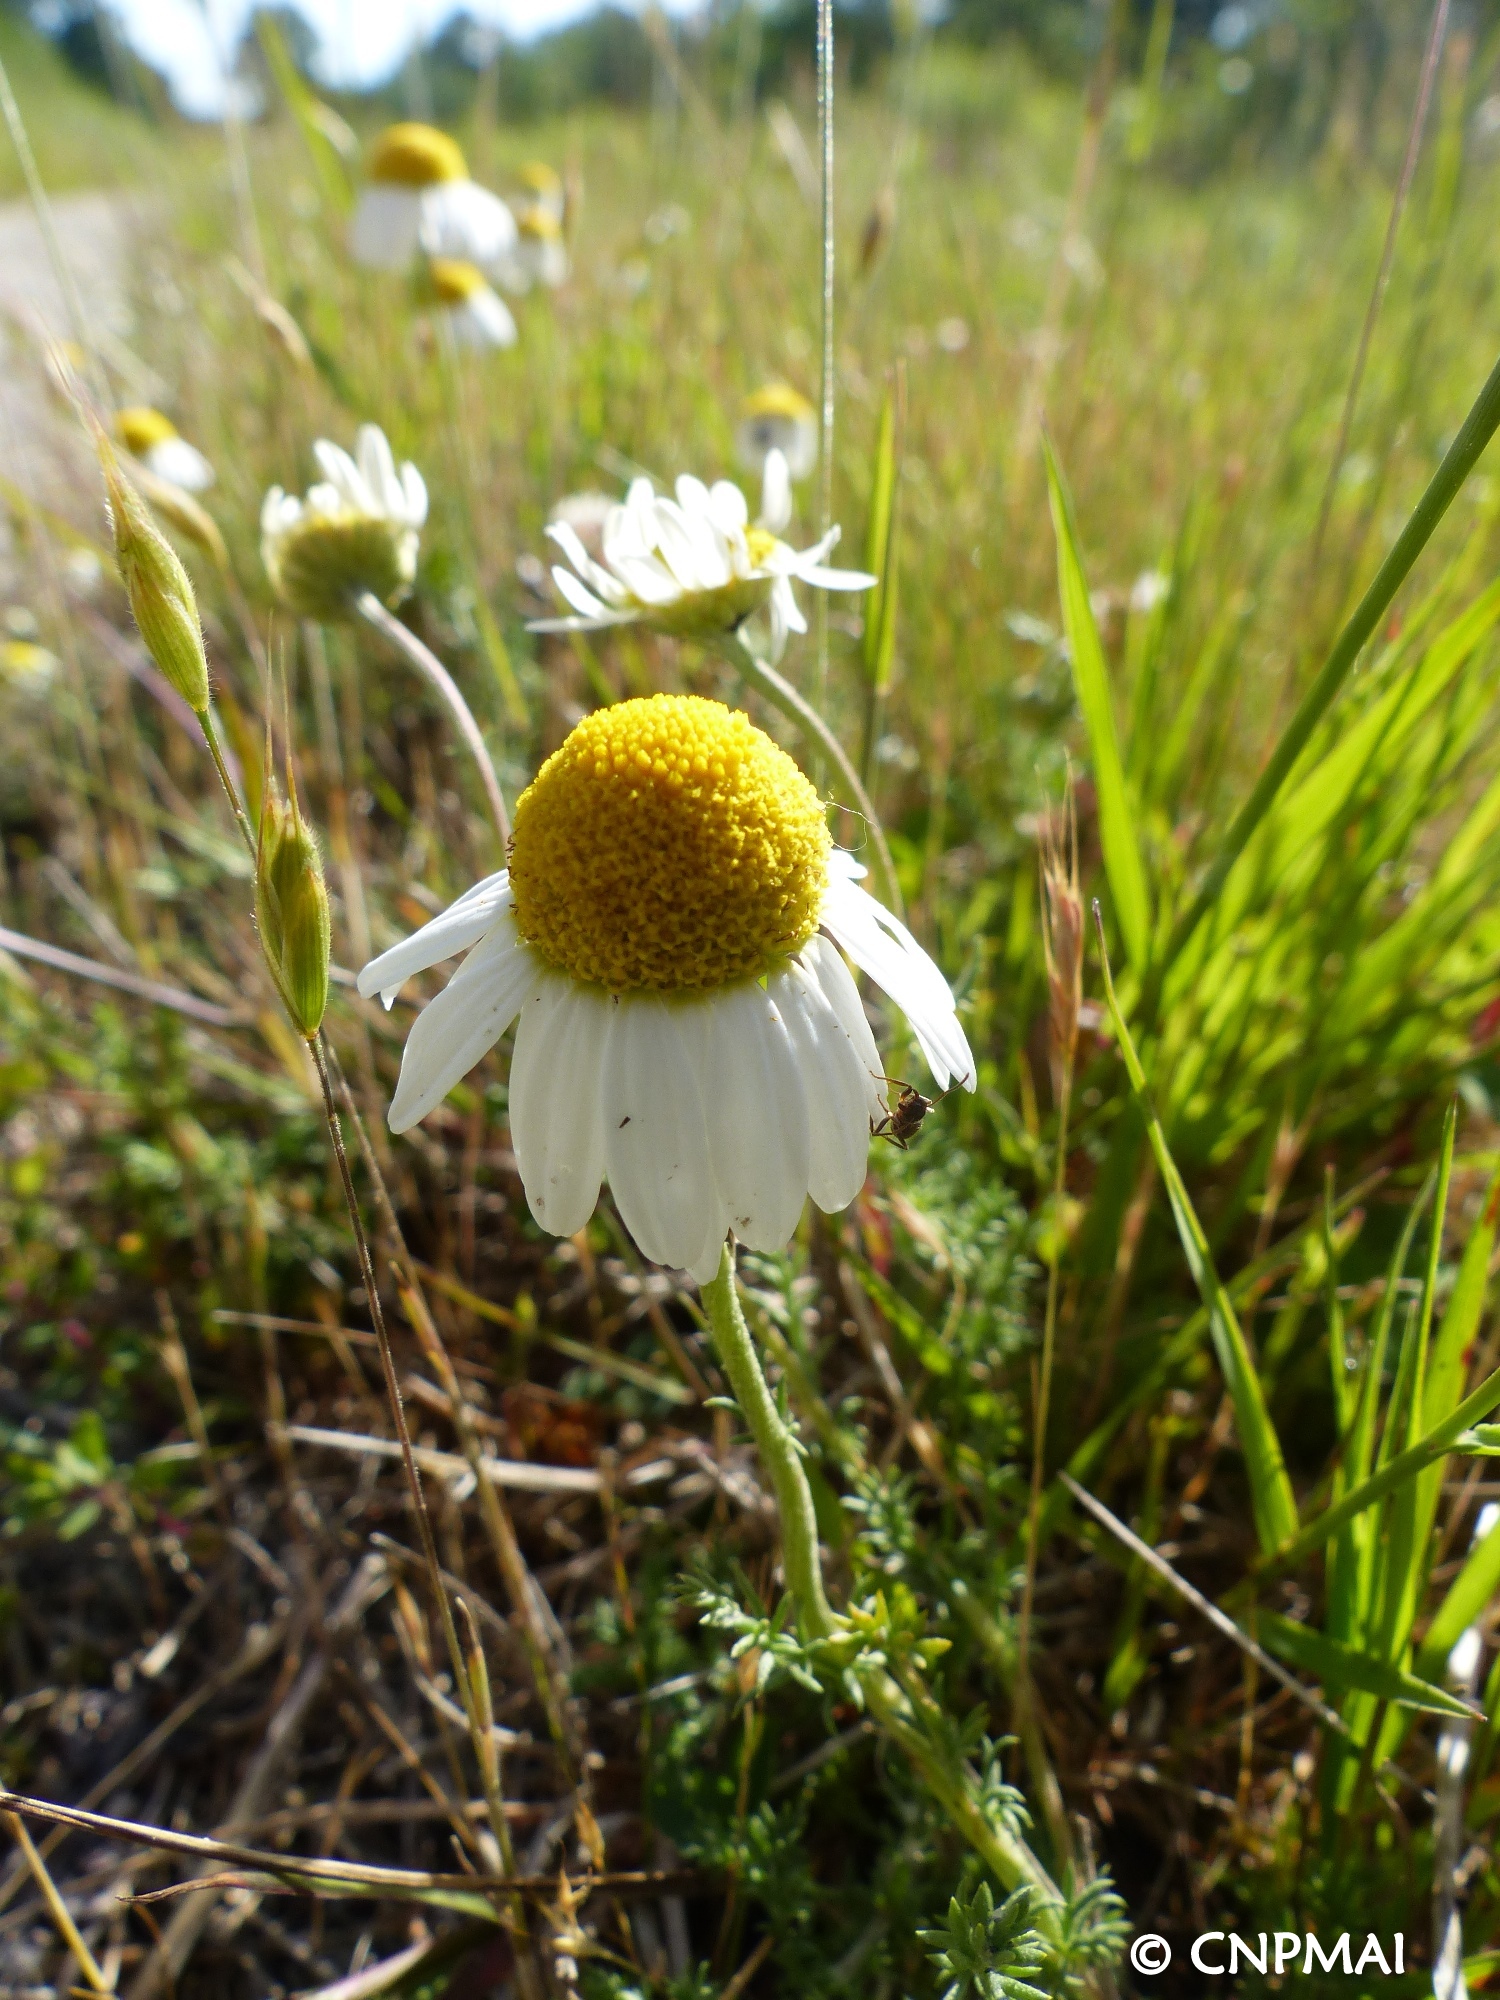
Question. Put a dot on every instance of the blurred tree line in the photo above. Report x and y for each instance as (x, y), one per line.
(1271, 71)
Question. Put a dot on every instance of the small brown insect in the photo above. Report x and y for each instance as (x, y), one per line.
(902, 1124)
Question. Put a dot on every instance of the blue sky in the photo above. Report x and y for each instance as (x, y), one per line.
(362, 40)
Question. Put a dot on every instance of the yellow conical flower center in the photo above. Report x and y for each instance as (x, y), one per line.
(141, 427)
(541, 179)
(416, 156)
(454, 281)
(668, 845)
(779, 399)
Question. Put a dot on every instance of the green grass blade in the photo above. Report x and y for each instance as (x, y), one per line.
(1122, 860)
(1271, 1495)
(1404, 1554)
(1468, 1597)
(1462, 455)
(328, 164)
(1405, 1465)
(1347, 1667)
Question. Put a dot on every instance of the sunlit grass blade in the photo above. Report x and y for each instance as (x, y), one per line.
(1402, 1561)
(1271, 1495)
(1462, 455)
(312, 116)
(1467, 1598)
(1122, 860)
(1436, 1444)
(1347, 1667)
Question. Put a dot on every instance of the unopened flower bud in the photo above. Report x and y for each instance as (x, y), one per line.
(291, 910)
(159, 588)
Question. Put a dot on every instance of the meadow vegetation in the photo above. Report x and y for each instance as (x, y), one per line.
(1208, 1250)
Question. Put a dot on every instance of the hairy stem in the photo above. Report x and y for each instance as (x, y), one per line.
(437, 676)
(778, 1452)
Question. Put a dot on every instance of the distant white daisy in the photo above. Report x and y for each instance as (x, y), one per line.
(152, 438)
(359, 529)
(776, 418)
(541, 209)
(694, 565)
(474, 313)
(669, 934)
(418, 198)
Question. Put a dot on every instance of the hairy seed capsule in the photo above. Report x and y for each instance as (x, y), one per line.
(159, 588)
(291, 911)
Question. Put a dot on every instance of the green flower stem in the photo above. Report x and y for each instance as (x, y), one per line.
(226, 779)
(909, 1718)
(781, 694)
(906, 1715)
(432, 670)
(778, 1452)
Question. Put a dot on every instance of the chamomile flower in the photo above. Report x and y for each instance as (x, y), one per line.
(357, 530)
(418, 199)
(153, 439)
(541, 253)
(671, 935)
(695, 565)
(776, 418)
(474, 313)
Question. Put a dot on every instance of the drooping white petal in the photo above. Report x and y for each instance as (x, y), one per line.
(884, 948)
(594, 574)
(462, 924)
(655, 1134)
(386, 226)
(836, 984)
(582, 601)
(835, 1084)
(482, 321)
(775, 492)
(464, 1022)
(465, 221)
(757, 1117)
(556, 1104)
(683, 551)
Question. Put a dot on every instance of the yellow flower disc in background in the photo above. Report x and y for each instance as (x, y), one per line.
(416, 156)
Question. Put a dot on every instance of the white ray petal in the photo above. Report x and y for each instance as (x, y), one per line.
(180, 464)
(835, 1083)
(345, 477)
(594, 574)
(836, 983)
(884, 948)
(683, 550)
(556, 1107)
(581, 599)
(462, 924)
(655, 1135)
(463, 220)
(727, 508)
(758, 1124)
(835, 579)
(414, 493)
(377, 467)
(463, 1023)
